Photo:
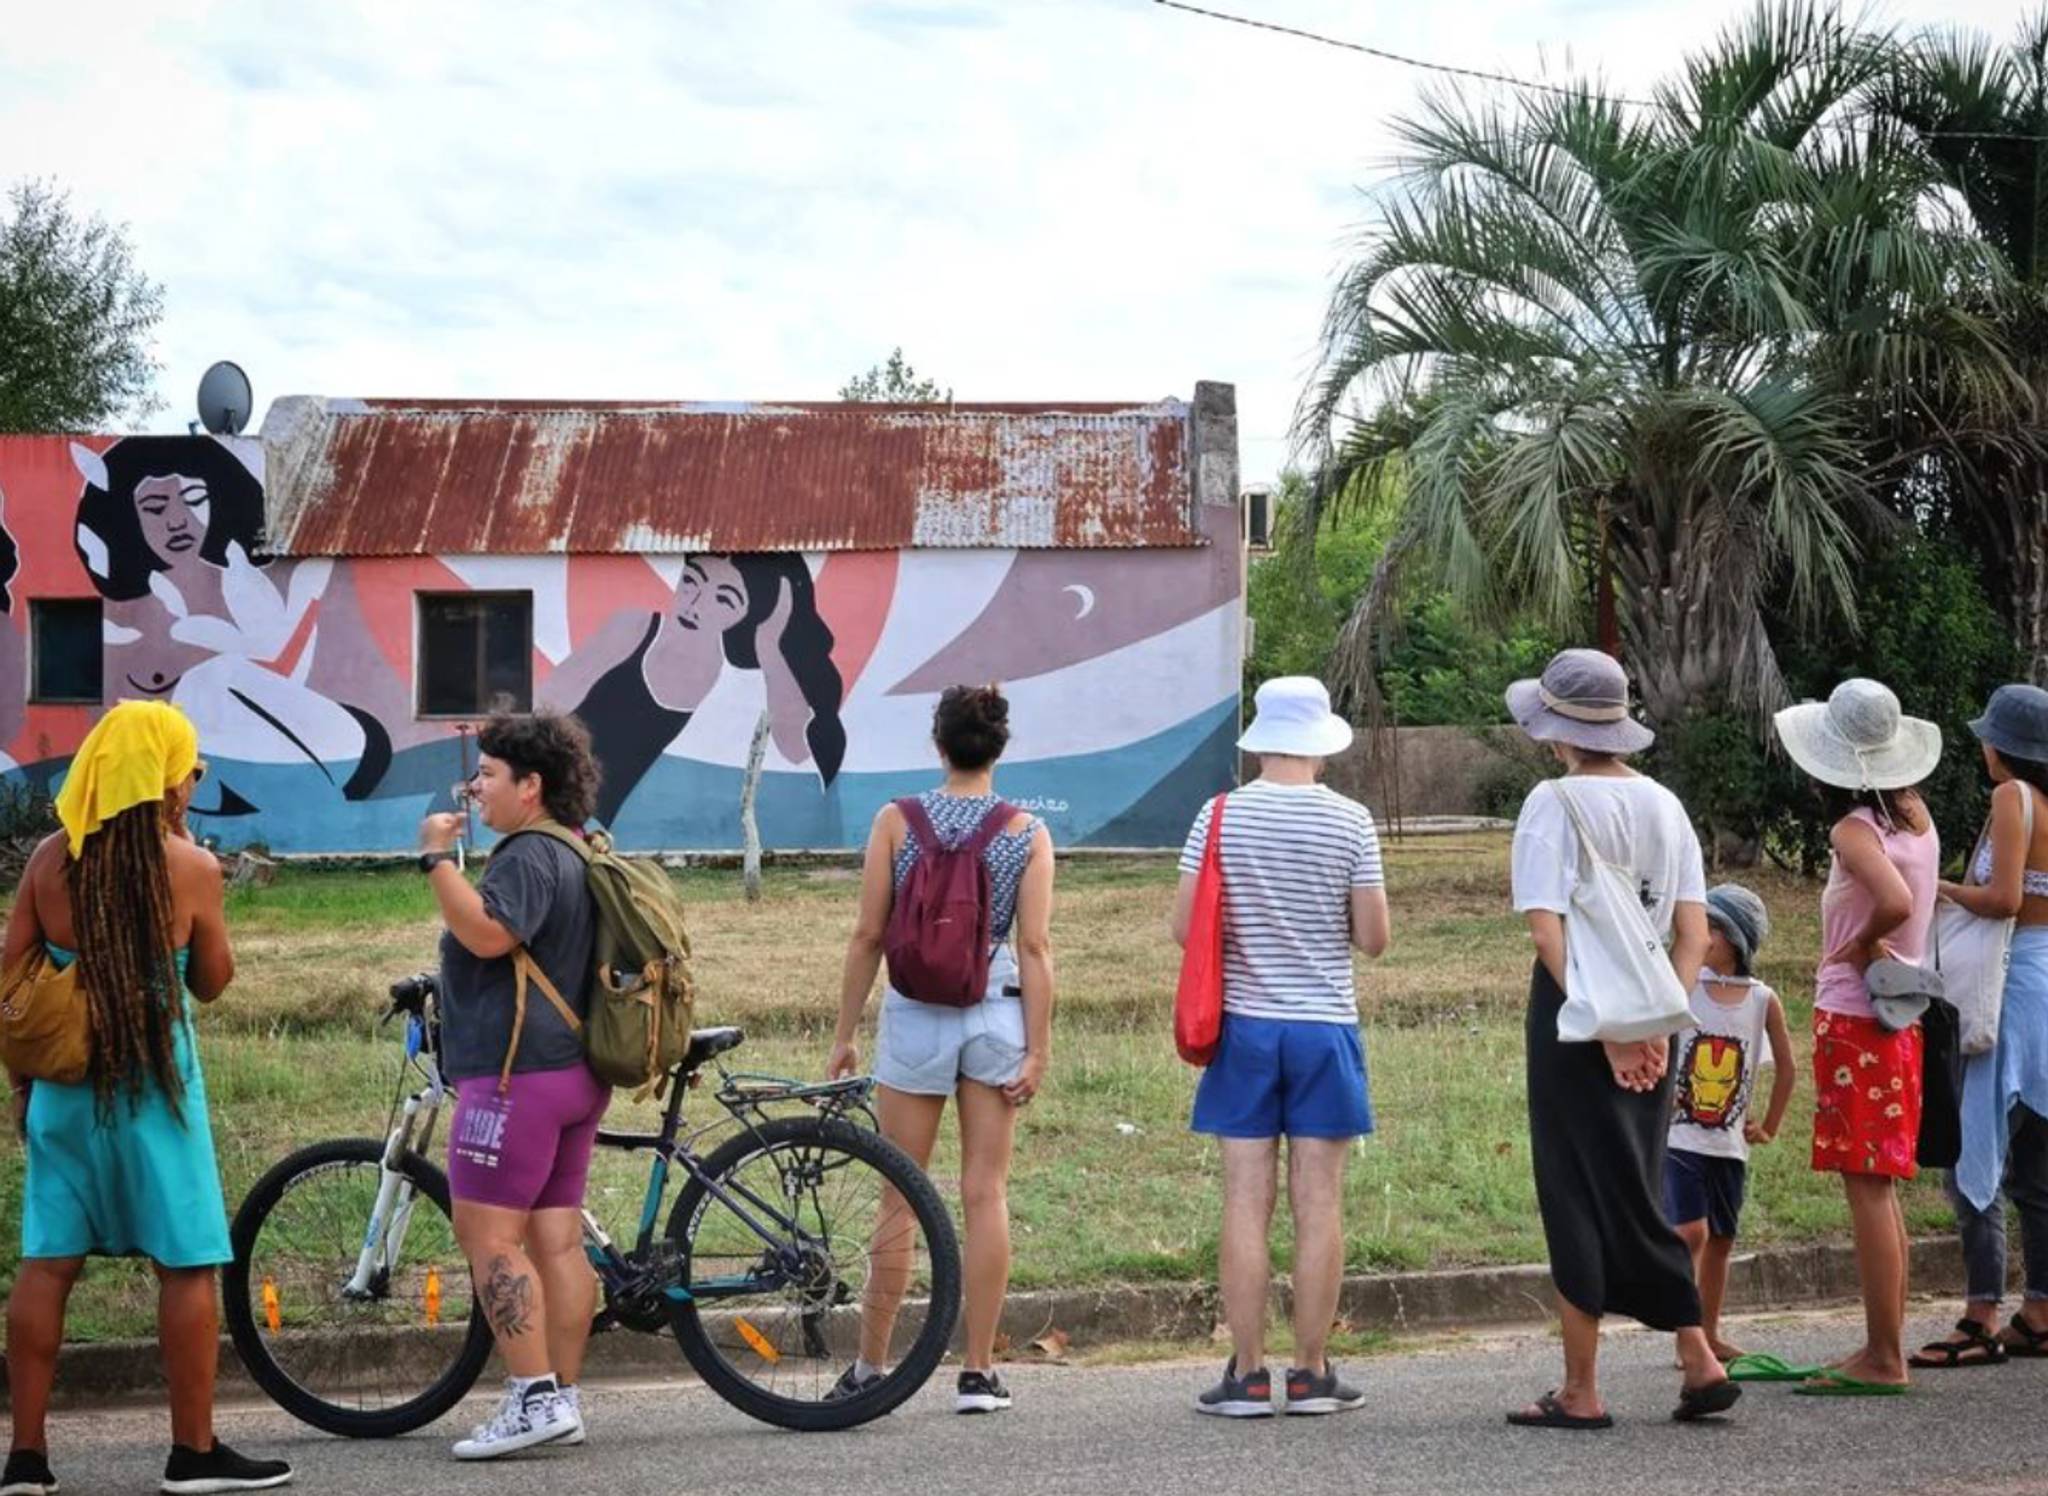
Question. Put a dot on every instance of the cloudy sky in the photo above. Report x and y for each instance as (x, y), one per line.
(726, 199)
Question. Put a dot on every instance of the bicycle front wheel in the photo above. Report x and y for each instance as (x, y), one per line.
(350, 1302)
(815, 1242)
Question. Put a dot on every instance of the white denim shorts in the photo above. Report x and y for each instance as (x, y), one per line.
(926, 1048)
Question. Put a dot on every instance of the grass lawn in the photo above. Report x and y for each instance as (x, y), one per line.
(1109, 1185)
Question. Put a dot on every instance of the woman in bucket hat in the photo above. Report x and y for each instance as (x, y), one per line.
(1597, 1111)
(1866, 756)
(2005, 1091)
(1302, 886)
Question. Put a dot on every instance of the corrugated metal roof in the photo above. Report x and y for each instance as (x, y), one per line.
(430, 477)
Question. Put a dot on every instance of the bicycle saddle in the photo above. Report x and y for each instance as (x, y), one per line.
(706, 1042)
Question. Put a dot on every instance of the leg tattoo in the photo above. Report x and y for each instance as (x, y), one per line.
(508, 1298)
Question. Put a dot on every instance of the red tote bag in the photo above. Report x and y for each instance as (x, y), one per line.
(1198, 1001)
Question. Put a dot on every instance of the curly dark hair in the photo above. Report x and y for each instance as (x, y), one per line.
(971, 725)
(235, 513)
(554, 745)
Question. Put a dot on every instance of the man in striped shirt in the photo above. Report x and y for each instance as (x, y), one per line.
(1302, 886)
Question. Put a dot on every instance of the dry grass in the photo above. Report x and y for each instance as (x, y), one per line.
(1109, 1184)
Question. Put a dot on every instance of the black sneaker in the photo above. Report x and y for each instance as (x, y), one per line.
(27, 1474)
(980, 1392)
(852, 1384)
(1239, 1397)
(1328, 1393)
(190, 1473)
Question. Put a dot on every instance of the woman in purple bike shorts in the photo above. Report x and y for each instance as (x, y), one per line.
(526, 1107)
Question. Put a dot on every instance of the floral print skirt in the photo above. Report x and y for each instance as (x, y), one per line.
(1866, 1081)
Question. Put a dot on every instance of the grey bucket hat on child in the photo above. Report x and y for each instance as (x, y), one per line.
(1740, 915)
(2015, 722)
(1581, 699)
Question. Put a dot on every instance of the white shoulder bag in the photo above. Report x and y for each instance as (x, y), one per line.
(1972, 953)
(1619, 986)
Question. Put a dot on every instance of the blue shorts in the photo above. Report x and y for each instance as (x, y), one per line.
(1702, 1187)
(1276, 1077)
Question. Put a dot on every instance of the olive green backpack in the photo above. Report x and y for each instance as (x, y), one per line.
(642, 996)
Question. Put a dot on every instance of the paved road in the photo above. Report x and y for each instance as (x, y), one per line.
(1435, 1425)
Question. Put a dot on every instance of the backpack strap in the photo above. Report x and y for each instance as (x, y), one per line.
(990, 828)
(525, 969)
(918, 822)
(555, 831)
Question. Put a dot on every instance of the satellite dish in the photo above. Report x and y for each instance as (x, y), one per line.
(224, 399)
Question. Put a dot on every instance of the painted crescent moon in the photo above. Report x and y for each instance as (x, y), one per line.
(1087, 596)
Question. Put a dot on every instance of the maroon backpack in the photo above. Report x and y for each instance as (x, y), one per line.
(937, 943)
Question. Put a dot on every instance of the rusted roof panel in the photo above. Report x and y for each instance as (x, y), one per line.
(425, 477)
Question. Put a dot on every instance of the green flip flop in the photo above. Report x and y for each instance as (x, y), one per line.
(1826, 1383)
(1760, 1366)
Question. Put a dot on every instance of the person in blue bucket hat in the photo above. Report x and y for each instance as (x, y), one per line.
(2005, 1090)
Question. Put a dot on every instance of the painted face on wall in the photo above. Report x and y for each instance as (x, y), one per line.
(684, 661)
(172, 510)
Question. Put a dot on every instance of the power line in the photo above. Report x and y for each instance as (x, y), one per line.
(1536, 85)
(1480, 74)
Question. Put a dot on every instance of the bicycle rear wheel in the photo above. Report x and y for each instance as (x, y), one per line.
(863, 1244)
(366, 1354)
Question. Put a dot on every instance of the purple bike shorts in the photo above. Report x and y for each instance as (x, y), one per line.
(528, 1149)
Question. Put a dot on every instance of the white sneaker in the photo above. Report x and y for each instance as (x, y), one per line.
(573, 1396)
(523, 1420)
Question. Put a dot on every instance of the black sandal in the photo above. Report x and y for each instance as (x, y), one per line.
(1695, 1403)
(1550, 1413)
(2032, 1344)
(1949, 1355)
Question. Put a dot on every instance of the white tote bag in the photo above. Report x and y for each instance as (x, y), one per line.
(1619, 985)
(1972, 953)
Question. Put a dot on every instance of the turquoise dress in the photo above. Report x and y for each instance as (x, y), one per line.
(140, 1183)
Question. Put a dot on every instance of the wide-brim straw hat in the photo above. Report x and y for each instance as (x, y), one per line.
(1292, 716)
(1580, 699)
(1859, 739)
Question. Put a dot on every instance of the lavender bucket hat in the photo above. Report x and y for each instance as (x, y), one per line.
(1580, 699)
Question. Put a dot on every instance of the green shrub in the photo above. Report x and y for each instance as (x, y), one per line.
(1930, 633)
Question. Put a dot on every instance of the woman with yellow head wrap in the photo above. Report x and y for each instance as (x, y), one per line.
(122, 1164)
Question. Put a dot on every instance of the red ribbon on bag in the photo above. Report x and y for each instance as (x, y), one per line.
(1198, 1000)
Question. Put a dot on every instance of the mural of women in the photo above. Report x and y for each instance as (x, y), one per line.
(169, 528)
(749, 612)
(13, 656)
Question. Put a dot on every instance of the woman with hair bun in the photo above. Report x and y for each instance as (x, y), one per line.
(989, 1056)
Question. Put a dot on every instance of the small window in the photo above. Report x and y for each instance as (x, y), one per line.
(1258, 518)
(476, 653)
(65, 637)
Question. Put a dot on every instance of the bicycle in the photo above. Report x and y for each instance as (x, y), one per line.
(351, 1306)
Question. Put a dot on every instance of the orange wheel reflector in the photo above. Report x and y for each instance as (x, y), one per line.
(756, 1339)
(272, 1315)
(433, 1296)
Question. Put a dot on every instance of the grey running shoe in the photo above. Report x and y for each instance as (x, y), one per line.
(1248, 1396)
(1308, 1392)
(980, 1392)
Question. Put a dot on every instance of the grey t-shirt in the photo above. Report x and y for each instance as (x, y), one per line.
(534, 887)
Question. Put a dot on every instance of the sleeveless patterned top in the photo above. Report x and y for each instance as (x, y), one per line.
(954, 817)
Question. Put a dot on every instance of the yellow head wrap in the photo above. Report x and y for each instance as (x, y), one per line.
(134, 754)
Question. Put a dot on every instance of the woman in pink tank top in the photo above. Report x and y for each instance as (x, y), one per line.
(1867, 757)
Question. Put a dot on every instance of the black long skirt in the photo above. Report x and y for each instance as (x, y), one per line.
(1599, 1157)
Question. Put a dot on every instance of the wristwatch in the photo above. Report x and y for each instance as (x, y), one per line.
(431, 860)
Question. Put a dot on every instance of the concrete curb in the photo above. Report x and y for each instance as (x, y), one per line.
(1780, 1278)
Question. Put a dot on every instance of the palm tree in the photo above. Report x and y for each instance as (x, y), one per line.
(1980, 112)
(1627, 358)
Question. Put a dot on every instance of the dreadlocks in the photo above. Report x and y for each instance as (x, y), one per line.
(120, 887)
